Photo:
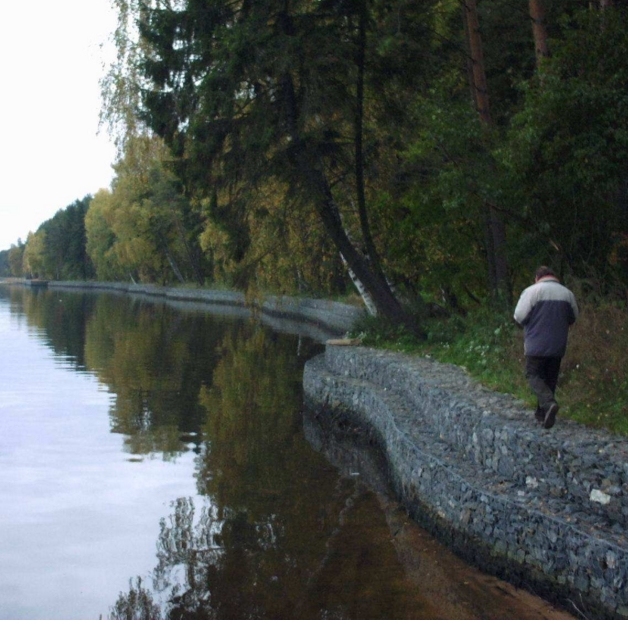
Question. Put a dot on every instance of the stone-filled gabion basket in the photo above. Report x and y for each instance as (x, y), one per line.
(546, 509)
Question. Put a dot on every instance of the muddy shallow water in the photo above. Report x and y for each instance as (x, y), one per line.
(450, 588)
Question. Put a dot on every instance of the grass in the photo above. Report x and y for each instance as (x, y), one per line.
(592, 388)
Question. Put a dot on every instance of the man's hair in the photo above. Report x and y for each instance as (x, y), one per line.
(543, 271)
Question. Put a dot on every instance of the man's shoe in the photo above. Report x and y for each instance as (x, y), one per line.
(550, 415)
(539, 415)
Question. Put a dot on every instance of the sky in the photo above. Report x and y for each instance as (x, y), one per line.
(51, 150)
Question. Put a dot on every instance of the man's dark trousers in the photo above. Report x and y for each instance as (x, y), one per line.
(542, 375)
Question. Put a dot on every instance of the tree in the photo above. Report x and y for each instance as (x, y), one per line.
(567, 146)
(57, 250)
(141, 228)
(5, 266)
(16, 258)
(301, 129)
(537, 15)
(99, 223)
(34, 260)
(245, 93)
(495, 229)
(65, 252)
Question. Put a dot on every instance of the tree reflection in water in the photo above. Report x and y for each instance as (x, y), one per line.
(242, 569)
(187, 554)
(138, 604)
(274, 531)
(279, 534)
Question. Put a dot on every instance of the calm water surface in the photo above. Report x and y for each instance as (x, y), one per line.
(153, 462)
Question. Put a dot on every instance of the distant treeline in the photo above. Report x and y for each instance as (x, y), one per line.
(437, 149)
(56, 251)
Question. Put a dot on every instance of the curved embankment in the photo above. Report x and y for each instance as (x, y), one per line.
(547, 509)
(544, 508)
(325, 318)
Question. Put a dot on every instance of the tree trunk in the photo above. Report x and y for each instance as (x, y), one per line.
(314, 178)
(360, 60)
(175, 267)
(476, 53)
(537, 15)
(501, 289)
(604, 5)
(383, 299)
(364, 294)
(495, 229)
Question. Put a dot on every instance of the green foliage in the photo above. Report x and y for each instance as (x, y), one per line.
(567, 148)
(5, 265)
(439, 225)
(34, 260)
(252, 96)
(58, 249)
(292, 132)
(486, 344)
(16, 259)
(359, 114)
(381, 332)
(143, 228)
(552, 167)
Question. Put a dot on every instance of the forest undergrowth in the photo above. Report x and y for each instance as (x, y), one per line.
(592, 388)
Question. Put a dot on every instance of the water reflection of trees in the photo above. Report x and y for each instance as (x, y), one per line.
(154, 360)
(137, 604)
(237, 567)
(157, 363)
(273, 527)
(275, 537)
(253, 409)
(187, 552)
(62, 316)
(246, 556)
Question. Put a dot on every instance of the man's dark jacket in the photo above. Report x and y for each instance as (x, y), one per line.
(546, 310)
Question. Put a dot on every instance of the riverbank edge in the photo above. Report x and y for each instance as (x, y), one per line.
(332, 319)
(544, 509)
(516, 540)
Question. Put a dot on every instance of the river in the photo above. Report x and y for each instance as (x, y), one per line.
(154, 463)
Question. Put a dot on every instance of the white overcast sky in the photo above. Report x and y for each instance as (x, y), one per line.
(51, 153)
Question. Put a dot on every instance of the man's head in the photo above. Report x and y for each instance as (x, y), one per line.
(543, 272)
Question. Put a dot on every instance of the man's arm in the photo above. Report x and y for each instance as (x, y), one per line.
(523, 308)
(574, 309)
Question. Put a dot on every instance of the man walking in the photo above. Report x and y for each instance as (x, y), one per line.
(545, 310)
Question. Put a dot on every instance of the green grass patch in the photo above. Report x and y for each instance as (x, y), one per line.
(592, 388)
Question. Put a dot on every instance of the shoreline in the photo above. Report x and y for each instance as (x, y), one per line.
(325, 319)
(442, 575)
(544, 509)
